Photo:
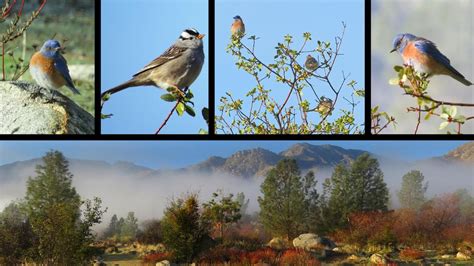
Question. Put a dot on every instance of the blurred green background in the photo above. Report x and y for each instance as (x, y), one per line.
(450, 25)
(71, 22)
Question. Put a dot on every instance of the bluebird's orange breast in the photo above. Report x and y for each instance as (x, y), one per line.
(46, 66)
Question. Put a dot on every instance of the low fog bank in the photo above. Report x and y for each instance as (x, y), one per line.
(148, 195)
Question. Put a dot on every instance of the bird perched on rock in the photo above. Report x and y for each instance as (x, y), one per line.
(178, 67)
(49, 68)
(425, 57)
(311, 64)
(238, 27)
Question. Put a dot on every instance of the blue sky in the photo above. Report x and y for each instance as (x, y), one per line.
(175, 154)
(271, 20)
(134, 32)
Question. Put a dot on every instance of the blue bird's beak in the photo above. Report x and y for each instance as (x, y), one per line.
(393, 50)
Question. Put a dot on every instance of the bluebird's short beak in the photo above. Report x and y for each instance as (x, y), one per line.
(393, 50)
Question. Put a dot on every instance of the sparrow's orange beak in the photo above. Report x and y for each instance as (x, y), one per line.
(200, 36)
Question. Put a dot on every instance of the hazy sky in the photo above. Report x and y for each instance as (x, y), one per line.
(133, 34)
(175, 154)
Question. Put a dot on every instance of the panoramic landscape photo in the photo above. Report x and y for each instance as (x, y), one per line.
(236, 203)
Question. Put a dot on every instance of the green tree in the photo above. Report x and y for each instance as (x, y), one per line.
(54, 210)
(286, 199)
(151, 233)
(185, 229)
(356, 188)
(412, 192)
(222, 210)
(244, 203)
(16, 236)
(113, 228)
(129, 228)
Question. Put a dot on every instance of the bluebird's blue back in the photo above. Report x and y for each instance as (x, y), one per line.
(425, 57)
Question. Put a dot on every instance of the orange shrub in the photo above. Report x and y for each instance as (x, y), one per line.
(297, 257)
(409, 254)
(156, 257)
(265, 255)
(220, 255)
(368, 228)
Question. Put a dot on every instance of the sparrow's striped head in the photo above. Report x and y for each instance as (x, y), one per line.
(190, 34)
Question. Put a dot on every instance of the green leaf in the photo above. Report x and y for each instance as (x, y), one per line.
(398, 68)
(180, 109)
(443, 125)
(203, 132)
(393, 81)
(168, 97)
(205, 114)
(105, 116)
(189, 110)
(106, 97)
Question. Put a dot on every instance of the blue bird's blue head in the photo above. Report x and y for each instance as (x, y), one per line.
(401, 41)
(50, 48)
(238, 17)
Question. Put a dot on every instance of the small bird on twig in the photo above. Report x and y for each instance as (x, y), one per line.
(238, 27)
(425, 57)
(311, 63)
(178, 67)
(49, 68)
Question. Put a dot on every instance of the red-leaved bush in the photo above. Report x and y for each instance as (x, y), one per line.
(409, 254)
(297, 257)
(264, 255)
(156, 257)
(368, 228)
(437, 222)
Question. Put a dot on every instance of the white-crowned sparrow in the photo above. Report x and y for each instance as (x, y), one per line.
(178, 67)
(311, 64)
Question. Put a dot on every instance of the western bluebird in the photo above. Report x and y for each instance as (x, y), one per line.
(311, 64)
(49, 68)
(238, 26)
(425, 57)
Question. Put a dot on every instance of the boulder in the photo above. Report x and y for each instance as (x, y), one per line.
(446, 256)
(462, 256)
(377, 259)
(277, 243)
(27, 108)
(311, 242)
(163, 263)
(82, 72)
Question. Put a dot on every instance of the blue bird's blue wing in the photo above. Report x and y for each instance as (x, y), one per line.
(61, 65)
(429, 48)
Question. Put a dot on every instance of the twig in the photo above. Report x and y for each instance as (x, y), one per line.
(180, 99)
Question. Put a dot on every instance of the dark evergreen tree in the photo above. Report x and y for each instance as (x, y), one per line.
(287, 200)
(16, 236)
(356, 188)
(412, 192)
(54, 211)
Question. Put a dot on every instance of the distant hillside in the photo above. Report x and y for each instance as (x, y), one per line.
(256, 162)
(464, 153)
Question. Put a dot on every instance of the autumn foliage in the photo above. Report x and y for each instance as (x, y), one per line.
(438, 223)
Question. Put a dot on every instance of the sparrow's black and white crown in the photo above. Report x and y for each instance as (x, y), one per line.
(189, 34)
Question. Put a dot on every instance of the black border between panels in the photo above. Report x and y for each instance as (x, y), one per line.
(211, 101)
